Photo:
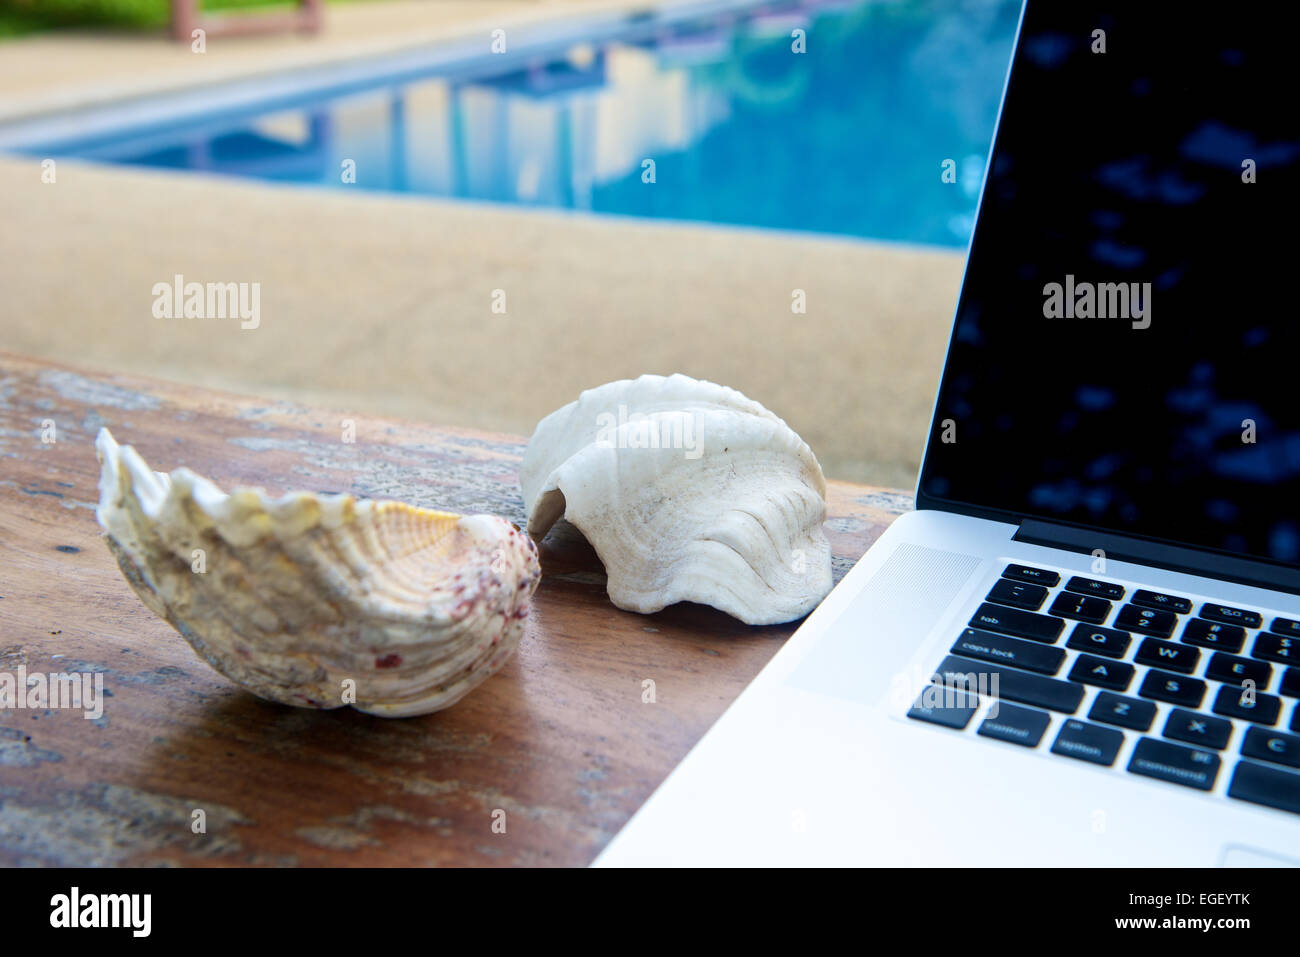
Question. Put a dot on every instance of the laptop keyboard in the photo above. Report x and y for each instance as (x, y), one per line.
(1206, 694)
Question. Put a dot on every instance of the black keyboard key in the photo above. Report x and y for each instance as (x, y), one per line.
(1295, 719)
(1102, 672)
(1214, 634)
(1272, 746)
(1029, 655)
(1149, 621)
(1237, 702)
(1088, 742)
(1285, 626)
(1233, 616)
(1175, 763)
(1261, 784)
(1290, 684)
(1090, 586)
(1014, 621)
(1024, 573)
(1019, 686)
(1017, 725)
(1099, 641)
(1277, 648)
(1131, 713)
(1018, 594)
(1166, 654)
(1176, 689)
(946, 706)
(1154, 599)
(1199, 729)
(1080, 607)
(1235, 670)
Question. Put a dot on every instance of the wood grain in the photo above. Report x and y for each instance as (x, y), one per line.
(560, 740)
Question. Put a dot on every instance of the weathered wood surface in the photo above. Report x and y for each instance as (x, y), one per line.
(560, 739)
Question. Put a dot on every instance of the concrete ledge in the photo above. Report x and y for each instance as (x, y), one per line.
(384, 303)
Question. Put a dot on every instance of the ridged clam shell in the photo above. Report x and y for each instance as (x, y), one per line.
(688, 491)
(293, 597)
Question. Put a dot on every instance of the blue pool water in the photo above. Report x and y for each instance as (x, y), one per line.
(714, 118)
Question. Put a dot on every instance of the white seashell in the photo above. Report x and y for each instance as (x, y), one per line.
(294, 596)
(688, 491)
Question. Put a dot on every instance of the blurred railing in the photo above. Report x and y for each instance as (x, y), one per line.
(187, 17)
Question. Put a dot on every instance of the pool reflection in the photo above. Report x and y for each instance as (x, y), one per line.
(721, 120)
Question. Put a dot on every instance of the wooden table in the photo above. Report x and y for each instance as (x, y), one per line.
(560, 739)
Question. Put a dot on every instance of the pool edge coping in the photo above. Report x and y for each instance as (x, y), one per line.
(65, 116)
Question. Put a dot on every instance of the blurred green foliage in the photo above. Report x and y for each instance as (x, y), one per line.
(25, 16)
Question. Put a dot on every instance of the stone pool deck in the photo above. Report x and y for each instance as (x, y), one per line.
(383, 304)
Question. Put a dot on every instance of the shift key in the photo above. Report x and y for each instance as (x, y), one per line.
(1014, 621)
(1002, 682)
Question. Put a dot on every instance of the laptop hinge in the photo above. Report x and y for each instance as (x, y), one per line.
(1172, 557)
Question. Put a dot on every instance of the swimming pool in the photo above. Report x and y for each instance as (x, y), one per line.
(828, 117)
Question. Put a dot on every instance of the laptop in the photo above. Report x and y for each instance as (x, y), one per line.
(1083, 645)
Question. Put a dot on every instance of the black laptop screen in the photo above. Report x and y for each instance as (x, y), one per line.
(1126, 354)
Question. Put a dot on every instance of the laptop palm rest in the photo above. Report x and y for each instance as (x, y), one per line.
(867, 648)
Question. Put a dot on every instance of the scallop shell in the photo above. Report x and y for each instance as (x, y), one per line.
(295, 597)
(688, 491)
